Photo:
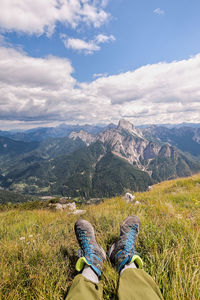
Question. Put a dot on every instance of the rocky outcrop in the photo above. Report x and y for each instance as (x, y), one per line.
(166, 151)
(151, 151)
(129, 197)
(70, 206)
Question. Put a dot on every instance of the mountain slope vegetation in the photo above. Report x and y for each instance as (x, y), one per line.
(39, 249)
(10, 197)
(10, 148)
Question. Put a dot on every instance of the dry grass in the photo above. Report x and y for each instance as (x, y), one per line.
(38, 247)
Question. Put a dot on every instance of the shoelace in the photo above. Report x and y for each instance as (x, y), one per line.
(129, 242)
(86, 247)
(125, 255)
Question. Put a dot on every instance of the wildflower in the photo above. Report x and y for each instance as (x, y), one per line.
(22, 238)
(30, 235)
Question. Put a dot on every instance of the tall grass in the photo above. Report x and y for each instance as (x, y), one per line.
(38, 246)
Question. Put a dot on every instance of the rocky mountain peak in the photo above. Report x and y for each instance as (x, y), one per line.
(126, 125)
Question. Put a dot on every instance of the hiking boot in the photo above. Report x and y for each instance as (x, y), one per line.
(123, 251)
(91, 253)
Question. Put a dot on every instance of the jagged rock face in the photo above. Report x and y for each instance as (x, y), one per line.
(84, 136)
(131, 144)
(151, 151)
(123, 124)
(125, 141)
(165, 151)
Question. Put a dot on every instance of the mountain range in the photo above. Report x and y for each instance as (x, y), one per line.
(93, 161)
(185, 138)
(42, 133)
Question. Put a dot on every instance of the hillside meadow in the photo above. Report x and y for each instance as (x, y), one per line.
(38, 246)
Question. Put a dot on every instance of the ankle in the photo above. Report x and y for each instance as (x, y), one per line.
(89, 274)
(129, 266)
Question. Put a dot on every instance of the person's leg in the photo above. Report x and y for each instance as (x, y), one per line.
(84, 289)
(86, 286)
(134, 283)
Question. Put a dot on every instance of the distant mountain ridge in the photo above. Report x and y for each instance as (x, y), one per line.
(64, 130)
(185, 138)
(102, 164)
(41, 133)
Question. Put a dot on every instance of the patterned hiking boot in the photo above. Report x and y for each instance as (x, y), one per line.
(90, 253)
(123, 251)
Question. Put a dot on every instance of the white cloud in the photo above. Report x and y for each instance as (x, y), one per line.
(35, 90)
(81, 45)
(159, 93)
(159, 11)
(102, 38)
(18, 69)
(41, 16)
(86, 47)
(97, 75)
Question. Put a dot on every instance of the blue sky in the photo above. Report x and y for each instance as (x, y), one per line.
(103, 60)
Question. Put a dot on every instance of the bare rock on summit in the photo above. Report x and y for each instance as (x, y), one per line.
(127, 142)
(123, 124)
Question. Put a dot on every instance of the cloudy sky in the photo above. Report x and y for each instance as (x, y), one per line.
(96, 61)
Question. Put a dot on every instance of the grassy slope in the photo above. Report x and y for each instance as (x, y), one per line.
(42, 265)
